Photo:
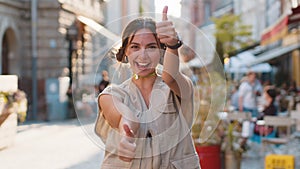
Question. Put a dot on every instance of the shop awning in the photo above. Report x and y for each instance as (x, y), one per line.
(99, 28)
(271, 54)
(114, 40)
(238, 64)
(259, 68)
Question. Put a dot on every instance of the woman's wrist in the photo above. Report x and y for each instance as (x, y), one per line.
(176, 46)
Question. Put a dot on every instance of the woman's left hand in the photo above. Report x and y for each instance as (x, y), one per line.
(165, 30)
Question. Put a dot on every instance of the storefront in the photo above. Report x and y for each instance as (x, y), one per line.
(280, 45)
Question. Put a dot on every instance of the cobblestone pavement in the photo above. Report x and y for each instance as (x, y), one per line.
(64, 145)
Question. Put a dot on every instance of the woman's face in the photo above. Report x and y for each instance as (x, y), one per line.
(143, 52)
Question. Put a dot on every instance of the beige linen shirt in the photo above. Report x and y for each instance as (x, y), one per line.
(163, 139)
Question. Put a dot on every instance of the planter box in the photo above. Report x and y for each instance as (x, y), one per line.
(9, 83)
(210, 156)
(233, 160)
(8, 130)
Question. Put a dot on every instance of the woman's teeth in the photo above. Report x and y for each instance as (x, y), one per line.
(143, 64)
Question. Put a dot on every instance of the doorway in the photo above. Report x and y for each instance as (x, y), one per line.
(4, 54)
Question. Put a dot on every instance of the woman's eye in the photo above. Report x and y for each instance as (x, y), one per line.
(134, 46)
(153, 47)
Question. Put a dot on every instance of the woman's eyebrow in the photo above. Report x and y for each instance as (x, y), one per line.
(135, 43)
(149, 44)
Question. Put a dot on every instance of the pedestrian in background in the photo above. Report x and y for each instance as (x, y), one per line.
(270, 109)
(150, 114)
(104, 82)
(234, 97)
(249, 91)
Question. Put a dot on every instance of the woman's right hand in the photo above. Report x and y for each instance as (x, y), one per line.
(127, 145)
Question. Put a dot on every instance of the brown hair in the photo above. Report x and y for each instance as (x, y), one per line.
(250, 72)
(131, 29)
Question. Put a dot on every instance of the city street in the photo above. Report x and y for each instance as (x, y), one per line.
(65, 145)
(235, 70)
(54, 145)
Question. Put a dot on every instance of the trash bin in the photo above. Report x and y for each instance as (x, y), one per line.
(56, 98)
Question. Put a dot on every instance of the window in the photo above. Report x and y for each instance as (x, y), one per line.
(207, 11)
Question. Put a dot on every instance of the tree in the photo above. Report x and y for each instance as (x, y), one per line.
(231, 34)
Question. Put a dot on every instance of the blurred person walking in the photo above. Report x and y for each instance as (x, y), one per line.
(249, 91)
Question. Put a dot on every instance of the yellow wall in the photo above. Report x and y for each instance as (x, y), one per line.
(296, 66)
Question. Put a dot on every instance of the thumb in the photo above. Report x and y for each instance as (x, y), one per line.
(128, 131)
(165, 14)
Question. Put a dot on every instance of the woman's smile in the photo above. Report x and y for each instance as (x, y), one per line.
(143, 65)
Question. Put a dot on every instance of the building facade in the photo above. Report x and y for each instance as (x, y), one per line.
(64, 44)
(279, 44)
(275, 28)
(198, 32)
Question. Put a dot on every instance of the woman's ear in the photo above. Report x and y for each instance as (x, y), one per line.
(125, 56)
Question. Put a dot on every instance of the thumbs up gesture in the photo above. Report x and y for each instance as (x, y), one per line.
(127, 145)
(165, 30)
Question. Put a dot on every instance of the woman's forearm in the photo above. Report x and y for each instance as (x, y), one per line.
(172, 76)
(109, 110)
(171, 65)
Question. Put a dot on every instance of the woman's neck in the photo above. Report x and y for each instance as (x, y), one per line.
(145, 86)
(145, 82)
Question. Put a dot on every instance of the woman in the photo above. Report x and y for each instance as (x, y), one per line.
(269, 110)
(150, 115)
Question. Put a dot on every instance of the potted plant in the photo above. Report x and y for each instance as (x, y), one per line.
(206, 129)
(233, 144)
(13, 109)
(13, 102)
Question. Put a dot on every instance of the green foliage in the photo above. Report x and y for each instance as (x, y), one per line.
(14, 102)
(141, 9)
(210, 94)
(231, 34)
(232, 139)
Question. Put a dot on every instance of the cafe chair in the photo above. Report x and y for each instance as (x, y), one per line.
(295, 114)
(276, 122)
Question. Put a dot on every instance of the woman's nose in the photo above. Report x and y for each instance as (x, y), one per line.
(143, 52)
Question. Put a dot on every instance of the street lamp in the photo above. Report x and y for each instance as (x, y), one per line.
(71, 36)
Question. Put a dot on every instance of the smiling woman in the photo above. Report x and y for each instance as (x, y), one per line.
(150, 114)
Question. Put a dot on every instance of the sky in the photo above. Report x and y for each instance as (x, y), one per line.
(174, 7)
